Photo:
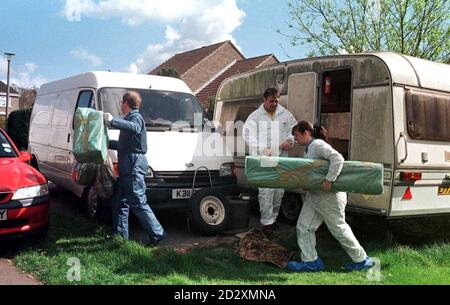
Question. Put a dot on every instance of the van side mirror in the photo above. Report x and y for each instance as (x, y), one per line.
(25, 156)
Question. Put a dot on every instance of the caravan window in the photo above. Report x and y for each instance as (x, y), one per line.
(428, 115)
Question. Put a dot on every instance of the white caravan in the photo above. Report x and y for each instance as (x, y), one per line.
(183, 171)
(381, 107)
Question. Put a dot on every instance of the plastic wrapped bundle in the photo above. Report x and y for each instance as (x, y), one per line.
(105, 180)
(308, 174)
(84, 173)
(90, 136)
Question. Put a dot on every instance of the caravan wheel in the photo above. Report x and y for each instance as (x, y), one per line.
(291, 207)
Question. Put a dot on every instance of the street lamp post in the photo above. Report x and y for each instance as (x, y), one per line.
(9, 57)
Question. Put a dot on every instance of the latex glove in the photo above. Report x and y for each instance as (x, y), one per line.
(107, 117)
(267, 152)
(286, 145)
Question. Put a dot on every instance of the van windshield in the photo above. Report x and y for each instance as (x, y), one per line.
(159, 108)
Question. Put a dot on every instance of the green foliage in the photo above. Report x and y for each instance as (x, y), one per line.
(419, 28)
(18, 125)
(2, 121)
(170, 72)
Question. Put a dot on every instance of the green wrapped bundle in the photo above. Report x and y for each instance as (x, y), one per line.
(308, 174)
(90, 143)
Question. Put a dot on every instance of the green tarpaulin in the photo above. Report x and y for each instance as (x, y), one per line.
(308, 174)
(90, 143)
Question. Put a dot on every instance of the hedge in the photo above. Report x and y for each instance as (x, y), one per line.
(18, 125)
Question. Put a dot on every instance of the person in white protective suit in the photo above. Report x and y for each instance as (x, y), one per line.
(324, 206)
(267, 132)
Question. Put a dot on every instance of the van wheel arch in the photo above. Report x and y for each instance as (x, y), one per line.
(34, 162)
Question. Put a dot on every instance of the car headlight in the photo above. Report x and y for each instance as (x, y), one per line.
(150, 173)
(227, 169)
(31, 192)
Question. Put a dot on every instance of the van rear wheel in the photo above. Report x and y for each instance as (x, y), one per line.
(210, 211)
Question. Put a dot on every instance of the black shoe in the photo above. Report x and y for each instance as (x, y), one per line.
(268, 230)
(154, 241)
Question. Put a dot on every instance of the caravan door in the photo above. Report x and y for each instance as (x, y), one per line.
(302, 101)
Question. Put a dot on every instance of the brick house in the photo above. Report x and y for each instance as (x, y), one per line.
(14, 99)
(204, 69)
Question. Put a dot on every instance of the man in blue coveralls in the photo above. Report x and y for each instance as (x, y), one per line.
(130, 190)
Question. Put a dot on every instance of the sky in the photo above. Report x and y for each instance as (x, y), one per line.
(54, 39)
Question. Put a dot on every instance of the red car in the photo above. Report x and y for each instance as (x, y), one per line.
(24, 196)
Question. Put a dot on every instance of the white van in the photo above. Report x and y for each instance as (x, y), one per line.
(183, 173)
(380, 107)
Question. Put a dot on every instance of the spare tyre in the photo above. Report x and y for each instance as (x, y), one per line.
(210, 211)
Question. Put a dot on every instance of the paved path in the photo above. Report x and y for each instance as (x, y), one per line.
(10, 275)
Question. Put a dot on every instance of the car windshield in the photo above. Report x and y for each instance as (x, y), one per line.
(6, 151)
(159, 108)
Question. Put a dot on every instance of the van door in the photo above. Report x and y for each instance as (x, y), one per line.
(302, 101)
(86, 99)
(60, 133)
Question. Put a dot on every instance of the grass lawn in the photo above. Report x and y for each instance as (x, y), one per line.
(114, 261)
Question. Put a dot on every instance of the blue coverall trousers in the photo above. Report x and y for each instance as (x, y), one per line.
(130, 195)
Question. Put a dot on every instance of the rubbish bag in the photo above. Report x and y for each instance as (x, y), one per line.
(90, 143)
(105, 180)
(85, 173)
(309, 174)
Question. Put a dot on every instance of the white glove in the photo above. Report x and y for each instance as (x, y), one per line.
(107, 117)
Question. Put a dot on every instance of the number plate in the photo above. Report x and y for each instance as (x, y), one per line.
(3, 215)
(182, 194)
(444, 190)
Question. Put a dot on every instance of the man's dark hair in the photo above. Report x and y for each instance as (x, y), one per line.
(272, 91)
(133, 99)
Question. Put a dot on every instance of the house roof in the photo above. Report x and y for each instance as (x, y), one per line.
(4, 88)
(238, 67)
(183, 62)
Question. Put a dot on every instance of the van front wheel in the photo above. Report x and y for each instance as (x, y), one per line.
(210, 211)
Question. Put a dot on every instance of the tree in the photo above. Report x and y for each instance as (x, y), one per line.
(420, 28)
(27, 97)
(170, 72)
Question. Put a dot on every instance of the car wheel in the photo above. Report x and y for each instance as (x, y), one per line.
(210, 211)
(291, 207)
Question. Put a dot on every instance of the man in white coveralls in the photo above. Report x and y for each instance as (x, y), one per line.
(267, 132)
